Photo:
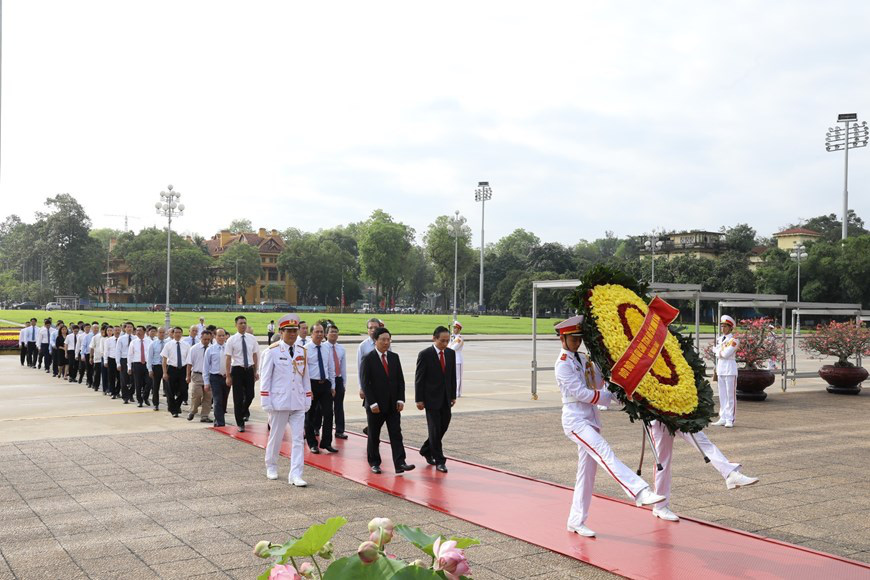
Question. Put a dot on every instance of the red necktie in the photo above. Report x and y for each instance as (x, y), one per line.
(441, 358)
(142, 350)
(384, 361)
(336, 362)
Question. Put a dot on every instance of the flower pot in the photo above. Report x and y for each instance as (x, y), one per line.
(843, 380)
(752, 382)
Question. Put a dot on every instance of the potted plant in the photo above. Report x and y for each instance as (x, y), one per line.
(760, 345)
(842, 340)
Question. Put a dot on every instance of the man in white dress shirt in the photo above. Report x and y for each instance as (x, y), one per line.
(137, 357)
(43, 340)
(321, 370)
(200, 326)
(32, 344)
(174, 355)
(155, 366)
(73, 344)
(214, 376)
(199, 393)
(339, 358)
(124, 374)
(242, 357)
(302, 339)
(23, 336)
(110, 349)
(285, 394)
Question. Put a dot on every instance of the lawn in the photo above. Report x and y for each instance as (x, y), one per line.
(348, 323)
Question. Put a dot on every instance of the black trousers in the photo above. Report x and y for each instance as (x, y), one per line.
(55, 357)
(83, 367)
(243, 393)
(72, 365)
(22, 346)
(156, 383)
(124, 378)
(44, 357)
(140, 381)
(89, 370)
(220, 396)
(111, 385)
(338, 404)
(269, 336)
(176, 387)
(393, 419)
(97, 373)
(437, 420)
(31, 354)
(319, 416)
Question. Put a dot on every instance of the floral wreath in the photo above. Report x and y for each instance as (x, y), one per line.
(675, 391)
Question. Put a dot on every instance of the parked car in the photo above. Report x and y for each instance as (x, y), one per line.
(54, 306)
(25, 306)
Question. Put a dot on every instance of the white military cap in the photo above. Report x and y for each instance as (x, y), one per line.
(457, 323)
(288, 321)
(727, 320)
(570, 326)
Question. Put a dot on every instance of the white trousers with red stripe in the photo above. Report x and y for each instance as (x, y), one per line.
(727, 397)
(279, 420)
(592, 451)
(458, 380)
(664, 443)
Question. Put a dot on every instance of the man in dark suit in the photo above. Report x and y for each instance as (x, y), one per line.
(384, 388)
(435, 391)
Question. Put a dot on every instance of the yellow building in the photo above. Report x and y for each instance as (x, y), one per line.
(270, 245)
(697, 243)
(788, 239)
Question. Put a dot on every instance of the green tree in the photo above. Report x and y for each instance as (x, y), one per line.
(831, 227)
(740, 238)
(317, 265)
(243, 260)
(384, 248)
(241, 225)
(442, 250)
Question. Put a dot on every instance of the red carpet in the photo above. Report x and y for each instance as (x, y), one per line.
(630, 541)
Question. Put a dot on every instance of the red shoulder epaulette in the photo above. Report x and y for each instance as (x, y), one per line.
(563, 357)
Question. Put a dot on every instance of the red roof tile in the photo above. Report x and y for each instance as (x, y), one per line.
(794, 231)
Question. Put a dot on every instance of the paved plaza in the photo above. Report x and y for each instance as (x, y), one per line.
(96, 489)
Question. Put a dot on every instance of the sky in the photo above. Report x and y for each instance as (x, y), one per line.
(585, 117)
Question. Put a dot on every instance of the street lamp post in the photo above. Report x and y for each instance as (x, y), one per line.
(237, 281)
(483, 194)
(799, 253)
(652, 245)
(455, 230)
(169, 207)
(852, 137)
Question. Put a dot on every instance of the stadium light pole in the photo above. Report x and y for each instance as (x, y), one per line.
(168, 206)
(652, 245)
(455, 230)
(852, 137)
(483, 194)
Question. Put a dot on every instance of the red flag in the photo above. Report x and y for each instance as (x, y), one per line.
(645, 347)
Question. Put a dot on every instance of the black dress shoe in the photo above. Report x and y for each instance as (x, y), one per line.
(405, 467)
(156, 408)
(376, 470)
(340, 436)
(147, 403)
(330, 449)
(365, 430)
(242, 429)
(442, 468)
(314, 450)
(428, 459)
(175, 415)
(190, 416)
(206, 420)
(126, 402)
(141, 405)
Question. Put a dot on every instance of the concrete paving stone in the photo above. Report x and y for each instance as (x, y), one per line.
(828, 548)
(140, 572)
(856, 520)
(52, 571)
(120, 563)
(232, 559)
(164, 555)
(184, 568)
(858, 541)
(246, 572)
(94, 549)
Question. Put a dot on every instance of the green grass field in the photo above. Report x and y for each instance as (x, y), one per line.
(349, 324)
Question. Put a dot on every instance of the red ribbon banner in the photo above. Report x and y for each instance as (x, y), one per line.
(645, 347)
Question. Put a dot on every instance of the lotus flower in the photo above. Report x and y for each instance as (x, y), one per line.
(385, 523)
(450, 559)
(381, 537)
(284, 572)
(307, 569)
(368, 552)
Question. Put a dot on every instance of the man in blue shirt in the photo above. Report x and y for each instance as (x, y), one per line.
(214, 376)
(155, 365)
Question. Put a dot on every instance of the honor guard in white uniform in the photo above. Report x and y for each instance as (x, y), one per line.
(664, 443)
(456, 344)
(285, 394)
(583, 387)
(726, 371)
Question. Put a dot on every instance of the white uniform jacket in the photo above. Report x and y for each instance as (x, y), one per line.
(726, 356)
(284, 381)
(583, 387)
(456, 344)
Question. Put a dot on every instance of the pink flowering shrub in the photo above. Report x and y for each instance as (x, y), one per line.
(759, 341)
(839, 339)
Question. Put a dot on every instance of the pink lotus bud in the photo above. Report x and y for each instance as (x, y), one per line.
(307, 569)
(261, 549)
(284, 572)
(385, 523)
(381, 537)
(450, 559)
(368, 552)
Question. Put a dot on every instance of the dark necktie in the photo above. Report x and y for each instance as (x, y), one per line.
(320, 364)
(74, 342)
(178, 354)
(142, 350)
(244, 352)
(33, 334)
(443, 364)
(579, 360)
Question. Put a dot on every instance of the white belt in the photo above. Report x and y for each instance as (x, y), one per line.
(569, 400)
